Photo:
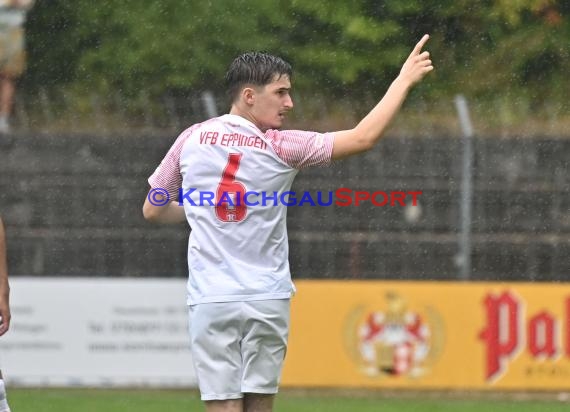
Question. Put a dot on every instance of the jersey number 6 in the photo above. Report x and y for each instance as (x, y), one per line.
(230, 204)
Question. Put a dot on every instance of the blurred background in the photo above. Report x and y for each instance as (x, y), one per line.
(109, 86)
(98, 293)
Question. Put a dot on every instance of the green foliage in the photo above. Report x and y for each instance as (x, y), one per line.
(484, 48)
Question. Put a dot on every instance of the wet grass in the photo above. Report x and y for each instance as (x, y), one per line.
(152, 400)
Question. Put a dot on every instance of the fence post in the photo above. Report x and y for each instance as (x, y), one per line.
(464, 256)
(209, 104)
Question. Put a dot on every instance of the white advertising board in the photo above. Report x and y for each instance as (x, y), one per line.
(97, 332)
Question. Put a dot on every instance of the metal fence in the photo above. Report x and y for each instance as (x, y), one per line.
(49, 111)
(71, 202)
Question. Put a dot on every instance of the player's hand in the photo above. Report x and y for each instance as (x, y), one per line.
(418, 63)
(4, 313)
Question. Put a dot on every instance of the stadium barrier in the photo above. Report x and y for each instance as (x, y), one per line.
(97, 332)
(432, 335)
(366, 334)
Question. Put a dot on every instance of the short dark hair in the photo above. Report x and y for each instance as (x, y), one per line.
(257, 68)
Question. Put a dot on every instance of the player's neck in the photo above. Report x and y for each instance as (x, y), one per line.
(237, 111)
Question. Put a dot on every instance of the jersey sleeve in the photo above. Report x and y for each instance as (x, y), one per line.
(167, 175)
(301, 149)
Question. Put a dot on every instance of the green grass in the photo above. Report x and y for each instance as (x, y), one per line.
(97, 400)
(140, 400)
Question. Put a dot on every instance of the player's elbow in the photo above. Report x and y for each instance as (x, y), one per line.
(362, 143)
(366, 137)
(365, 144)
(151, 213)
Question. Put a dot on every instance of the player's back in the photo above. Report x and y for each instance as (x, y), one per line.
(234, 188)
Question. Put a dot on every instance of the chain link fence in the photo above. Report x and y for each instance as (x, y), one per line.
(72, 198)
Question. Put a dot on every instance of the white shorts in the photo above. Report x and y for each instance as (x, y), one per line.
(238, 347)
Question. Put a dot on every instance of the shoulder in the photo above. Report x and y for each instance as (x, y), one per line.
(301, 148)
(296, 137)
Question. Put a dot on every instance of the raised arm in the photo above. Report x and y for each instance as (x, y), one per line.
(370, 129)
(4, 286)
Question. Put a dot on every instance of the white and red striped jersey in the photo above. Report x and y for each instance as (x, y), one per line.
(238, 251)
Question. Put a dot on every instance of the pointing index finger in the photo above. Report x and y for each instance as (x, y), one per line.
(420, 45)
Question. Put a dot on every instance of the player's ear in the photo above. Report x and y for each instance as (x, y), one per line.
(248, 95)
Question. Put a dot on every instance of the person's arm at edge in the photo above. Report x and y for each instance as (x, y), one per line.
(171, 212)
(4, 285)
(371, 128)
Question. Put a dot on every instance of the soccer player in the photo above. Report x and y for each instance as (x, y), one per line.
(12, 53)
(229, 173)
(4, 309)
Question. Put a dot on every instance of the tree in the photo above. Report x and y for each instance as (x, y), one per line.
(351, 49)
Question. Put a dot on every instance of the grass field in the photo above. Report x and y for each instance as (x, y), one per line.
(139, 400)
